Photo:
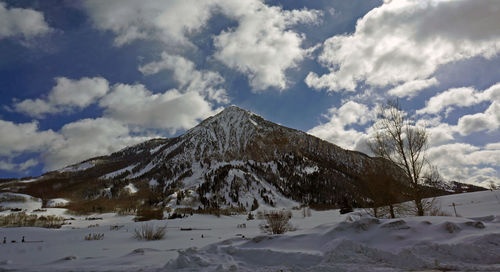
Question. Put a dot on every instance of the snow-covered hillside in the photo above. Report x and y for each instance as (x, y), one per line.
(325, 241)
(227, 161)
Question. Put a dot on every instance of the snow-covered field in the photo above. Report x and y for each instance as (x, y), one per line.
(326, 241)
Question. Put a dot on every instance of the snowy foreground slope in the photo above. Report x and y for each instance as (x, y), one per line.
(326, 241)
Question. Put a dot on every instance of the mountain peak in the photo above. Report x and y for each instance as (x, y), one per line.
(228, 131)
(229, 160)
(230, 117)
(234, 110)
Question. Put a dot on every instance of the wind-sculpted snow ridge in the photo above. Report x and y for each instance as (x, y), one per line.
(366, 244)
(228, 160)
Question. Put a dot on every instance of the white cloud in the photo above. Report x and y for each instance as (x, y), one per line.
(492, 93)
(493, 146)
(462, 97)
(165, 20)
(439, 132)
(24, 137)
(131, 112)
(17, 167)
(75, 142)
(408, 40)
(336, 131)
(20, 139)
(412, 88)
(466, 163)
(262, 46)
(134, 104)
(79, 93)
(456, 151)
(35, 107)
(27, 164)
(19, 22)
(66, 95)
(172, 110)
(88, 138)
(190, 79)
(489, 120)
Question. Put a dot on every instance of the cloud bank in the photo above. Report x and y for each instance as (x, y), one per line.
(408, 40)
(20, 22)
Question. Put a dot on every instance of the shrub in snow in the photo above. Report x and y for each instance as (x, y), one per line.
(476, 224)
(232, 210)
(175, 216)
(250, 216)
(382, 212)
(94, 236)
(115, 227)
(277, 222)
(260, 215)
(148, 213)
(149, 232)
(451, 227)
(345, 210)
(126, 211)
(25, 220)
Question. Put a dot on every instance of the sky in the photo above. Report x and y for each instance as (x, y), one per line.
(80, 79)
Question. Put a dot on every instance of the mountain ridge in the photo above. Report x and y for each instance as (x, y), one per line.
(230, 159)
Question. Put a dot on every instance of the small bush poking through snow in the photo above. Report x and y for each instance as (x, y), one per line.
(126, 211)
(277, 222)
(116, 227)
(250, 216)
(94, 236)
(147, 213)
(149, 232)
(31, 220)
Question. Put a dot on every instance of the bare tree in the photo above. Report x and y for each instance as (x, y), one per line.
(433, 178)
(398, 140)
(382, 190)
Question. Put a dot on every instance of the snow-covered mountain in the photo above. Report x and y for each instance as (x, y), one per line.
(232, 159)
